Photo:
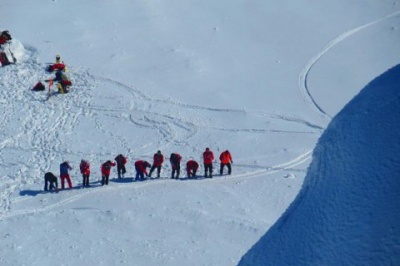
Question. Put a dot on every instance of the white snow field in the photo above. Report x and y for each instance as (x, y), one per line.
(265, 79)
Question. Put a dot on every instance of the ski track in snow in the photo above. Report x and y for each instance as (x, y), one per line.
(236, 179)
(303, 77)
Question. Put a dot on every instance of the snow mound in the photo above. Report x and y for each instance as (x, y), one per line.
(347, 211)
(18, 50)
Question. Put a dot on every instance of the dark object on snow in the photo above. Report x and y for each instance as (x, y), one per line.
(4, 37)
(39, 87)
(4, 59)
(5, 34)
(50, 179)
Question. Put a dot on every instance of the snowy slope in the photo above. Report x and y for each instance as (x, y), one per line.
(347, 212)
(178, 76)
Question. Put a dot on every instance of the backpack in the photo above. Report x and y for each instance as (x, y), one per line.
(39, 87)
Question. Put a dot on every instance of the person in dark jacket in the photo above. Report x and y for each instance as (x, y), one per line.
(140, 167)
(121, 161)
(50, 182)
(158, 160)
(175, 160)
(105, 172)
(64, 174)
(191, 168)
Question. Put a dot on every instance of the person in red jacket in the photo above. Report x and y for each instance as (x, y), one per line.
(226, 160)
(58, 65)
(140, 167)
(121, 161)
(85, 171)
(105, 172)
(191, 168)
(158, 160)
(208, 158)
(175, 160)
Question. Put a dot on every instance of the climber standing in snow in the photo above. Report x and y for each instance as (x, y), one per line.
(50, 182)
(208, 157)
(158, 160)
(85, 171)
(226, 160)
(175, 160)
(140, 167)
(121, 161)
(64, 174)
(105, 172)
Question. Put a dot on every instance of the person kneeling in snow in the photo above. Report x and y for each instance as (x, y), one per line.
(191, 168)
(50, 182)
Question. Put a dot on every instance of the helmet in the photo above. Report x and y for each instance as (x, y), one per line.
(207, 149)
(58, 56)
(159, 152)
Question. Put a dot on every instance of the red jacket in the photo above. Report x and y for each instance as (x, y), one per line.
(141, 166)
(3, 39)
(225, 157)
(158, 159)
(106, 167)
(208, 157)
(191, 164)
(85, 168)
(57, 66)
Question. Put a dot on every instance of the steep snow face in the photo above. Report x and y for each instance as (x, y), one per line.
(347, 211)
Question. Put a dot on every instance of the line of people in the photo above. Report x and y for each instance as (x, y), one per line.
(141, 166)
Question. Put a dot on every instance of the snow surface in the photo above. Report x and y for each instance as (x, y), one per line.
(260, 78)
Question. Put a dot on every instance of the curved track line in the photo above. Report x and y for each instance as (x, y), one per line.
(303, 77)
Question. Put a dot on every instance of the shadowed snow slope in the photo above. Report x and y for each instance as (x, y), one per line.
(347, 212)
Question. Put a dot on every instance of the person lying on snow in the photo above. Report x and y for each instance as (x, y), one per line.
(58, 65)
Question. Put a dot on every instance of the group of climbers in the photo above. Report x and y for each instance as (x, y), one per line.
(63, 82)
(141, 166)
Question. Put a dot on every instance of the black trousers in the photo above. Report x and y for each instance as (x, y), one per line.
(155, 167)
(208, 167)
(104, 180)
(85, 180)
(177, 170)
(121, 170)
(223, 166)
